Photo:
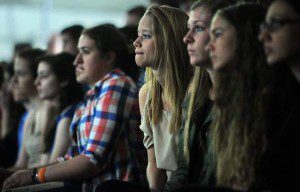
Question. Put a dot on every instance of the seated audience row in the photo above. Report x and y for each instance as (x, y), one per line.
(219, 109)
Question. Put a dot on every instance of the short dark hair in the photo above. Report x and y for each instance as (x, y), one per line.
(73, 31)
(138, 10)
(108, 38)
(31, 55)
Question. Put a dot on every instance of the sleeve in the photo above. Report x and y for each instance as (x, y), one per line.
(108, 120)
(148, 134)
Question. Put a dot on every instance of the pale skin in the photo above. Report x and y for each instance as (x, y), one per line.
(156, 177)
(197, 40)
(144, 49)
(49, 89)
(43, 120)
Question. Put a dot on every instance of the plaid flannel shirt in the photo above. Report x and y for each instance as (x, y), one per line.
(105, 128)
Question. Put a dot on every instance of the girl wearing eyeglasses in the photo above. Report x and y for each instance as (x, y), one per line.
(250, 136)
(280, 34)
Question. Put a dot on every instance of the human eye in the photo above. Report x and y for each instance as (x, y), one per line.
(85, 51)
(199, 28)
(217, 33)
(43, 75)
(146, 36)
(21, 73)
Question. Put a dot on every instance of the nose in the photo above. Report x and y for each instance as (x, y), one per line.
(37, 81)
(188, 38)
(11, 82)
(263, 35)
(78, 59)
(137, 42)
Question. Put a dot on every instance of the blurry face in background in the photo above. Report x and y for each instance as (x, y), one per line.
(283, 41)
(222, 43)
(198, 36)
(132, 19)
(144, 44)
(90, 65)
(47, 84)
(69, 45)
(22, 84)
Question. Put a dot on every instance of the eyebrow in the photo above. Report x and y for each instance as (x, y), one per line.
(218, 28)
(199, 20)
(84, 47)
(145, 30)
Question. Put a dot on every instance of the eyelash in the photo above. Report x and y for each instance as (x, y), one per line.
(199, 28)
(146, 36)
(85, 52)
(217, 34)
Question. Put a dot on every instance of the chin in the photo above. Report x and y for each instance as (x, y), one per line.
(273, 61)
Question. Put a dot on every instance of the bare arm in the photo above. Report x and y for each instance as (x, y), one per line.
(22, 159)
(62, 139)
(157, 178)
(78, 168)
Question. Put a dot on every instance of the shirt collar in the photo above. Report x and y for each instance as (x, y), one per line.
(94, 89)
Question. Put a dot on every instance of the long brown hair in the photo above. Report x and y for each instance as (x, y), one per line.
(201, 83)
(239, 128)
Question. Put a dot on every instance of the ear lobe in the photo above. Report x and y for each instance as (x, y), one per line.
(110, 57)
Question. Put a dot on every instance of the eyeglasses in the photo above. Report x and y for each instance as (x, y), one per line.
(276, 24)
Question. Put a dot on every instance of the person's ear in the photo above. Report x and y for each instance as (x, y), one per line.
(110, 57)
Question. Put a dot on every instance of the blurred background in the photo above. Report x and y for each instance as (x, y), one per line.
(36, 21)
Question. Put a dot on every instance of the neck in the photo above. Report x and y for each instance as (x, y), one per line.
(212, 75)
(295, 68)
(33, 101)
(159, 77)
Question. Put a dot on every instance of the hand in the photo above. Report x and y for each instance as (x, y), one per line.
(18, 179)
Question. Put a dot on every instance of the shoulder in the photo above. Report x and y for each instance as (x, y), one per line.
(143, 96)
(118, 82)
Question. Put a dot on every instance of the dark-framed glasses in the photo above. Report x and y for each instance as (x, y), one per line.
(276, 24)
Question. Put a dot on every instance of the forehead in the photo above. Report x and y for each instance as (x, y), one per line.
(202, 14)
(86, 41)
(145, 23)
(44, 66)
(280, 8)
(218, 21)
(21, 64)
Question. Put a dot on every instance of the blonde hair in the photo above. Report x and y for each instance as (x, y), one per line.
(169, 28)
(200, 87)
(201, 83)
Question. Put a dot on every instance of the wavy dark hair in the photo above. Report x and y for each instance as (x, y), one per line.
(108, 38)
(62, 67)
(239, 128)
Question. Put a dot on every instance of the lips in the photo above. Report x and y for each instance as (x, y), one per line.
(212, 57)
(268, 50)
(78, 70)
(191, 51)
